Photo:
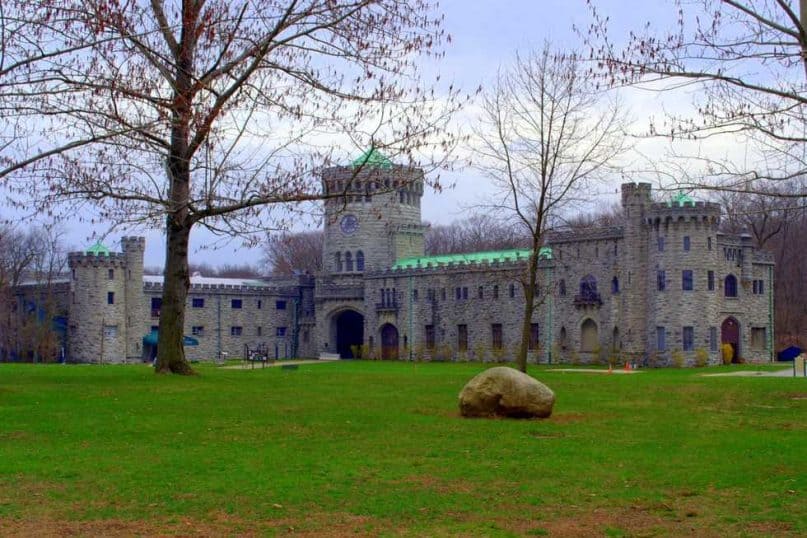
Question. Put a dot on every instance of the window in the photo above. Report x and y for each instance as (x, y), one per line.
(197, 330)
(338, 257)
(462, 337)
(562, 286)
(588, 288)
(688, 338)
(258, 331)
(512, 290)
(259, 304)
(359, 261)
(758, 338)
(110, 331)
(710, 280)
(686, 280)
(348, 261)
(415, 294)
(280, 305)
(758, 287)
(306, 337)
(661, 244)
(712, 338)
(110, 297)
(481, 292)
(464, 293)
(534, 335)
(429, 330)
(280, 332)
(236, 330)
(496, 335)
(709, 243)
(686, 243)
(661, 280)
(458, 293)
(496, 292)
(730, 286)
(442, 294)
(661, 339)
(615, 285)
(74, 274)
(198, 302)
(111, 274)
(236, 303)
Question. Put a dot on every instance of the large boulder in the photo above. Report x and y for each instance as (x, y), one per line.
(506, 392)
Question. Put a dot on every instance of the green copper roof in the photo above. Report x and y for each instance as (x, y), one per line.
(681, 199)
(472, 257)
(98, 249)
(373, 157)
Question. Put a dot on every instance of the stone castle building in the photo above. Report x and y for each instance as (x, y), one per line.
(664, 286)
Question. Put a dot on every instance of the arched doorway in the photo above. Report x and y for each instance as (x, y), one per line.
(389, 342)
(349, 332)
(730, 334)
(589, 339)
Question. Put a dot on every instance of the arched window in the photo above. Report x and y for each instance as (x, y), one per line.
(562, 338)
(588, 288)
(338, 256)
(730, 286)
(589, 340)
(348, 261)
(512, 290)
(359, 261)
(615, 285)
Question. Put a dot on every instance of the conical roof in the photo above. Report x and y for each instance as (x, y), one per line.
(373, 157)
(98, 249)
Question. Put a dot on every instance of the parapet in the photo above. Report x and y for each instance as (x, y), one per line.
(130, 243)
(694, 211)
(83, 259)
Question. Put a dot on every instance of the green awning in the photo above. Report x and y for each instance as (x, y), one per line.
(151, 339)
(473, 257)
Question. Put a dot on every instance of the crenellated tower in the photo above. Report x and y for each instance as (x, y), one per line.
(636, 202)
(133, 249)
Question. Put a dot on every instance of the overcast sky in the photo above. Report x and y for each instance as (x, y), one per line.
(485, 35)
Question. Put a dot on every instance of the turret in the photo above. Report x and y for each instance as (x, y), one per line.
(133, 249)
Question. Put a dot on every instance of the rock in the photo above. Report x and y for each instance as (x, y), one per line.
(506, 392)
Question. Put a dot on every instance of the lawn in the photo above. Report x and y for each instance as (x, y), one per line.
(372, 448)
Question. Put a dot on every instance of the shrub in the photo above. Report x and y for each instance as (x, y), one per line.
(727, 353)
(701, 357)
(677, 359)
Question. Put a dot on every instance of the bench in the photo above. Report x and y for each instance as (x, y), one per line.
(329, 356)
(259, 354)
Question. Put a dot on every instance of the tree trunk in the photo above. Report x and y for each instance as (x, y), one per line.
(171, 353)
(529, 307)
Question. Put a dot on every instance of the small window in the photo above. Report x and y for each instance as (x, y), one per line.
(74, 274)
(110, 331)
(534, 336)
(512, 290)
(110, 297)
(496, 292)
(236, 303)
(661, 339)
(198, 302)
(712, 338)
(259, 304)
(236, 330)
(258, 331)
(481, 292)
(686, 243)
(429, 330)
(614, 285)
(464, 293)
(686, 280)
(348, 261)
(688, 338)
(415, 294)
(111, 274)
(280, 305)
(359, 261)
(661, 280)
(442, 294)
(306, 336)
(281, 331)
(710, 280)
(462, 337)
(661, 244)
(562, 287)
(730, 286)
(496, 335)
(458, 293)
(708, 243)
(197, 330)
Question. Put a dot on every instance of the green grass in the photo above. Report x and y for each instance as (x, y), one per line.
(379, 448)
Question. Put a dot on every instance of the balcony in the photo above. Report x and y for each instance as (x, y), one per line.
(591, 298)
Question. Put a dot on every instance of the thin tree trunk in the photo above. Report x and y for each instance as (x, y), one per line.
(171, 353)
(529, 307)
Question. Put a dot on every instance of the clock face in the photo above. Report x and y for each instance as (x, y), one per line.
(349, 224)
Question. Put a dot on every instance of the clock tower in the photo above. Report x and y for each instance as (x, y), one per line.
(372, 217)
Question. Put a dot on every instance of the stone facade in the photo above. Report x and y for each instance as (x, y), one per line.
(663, 287)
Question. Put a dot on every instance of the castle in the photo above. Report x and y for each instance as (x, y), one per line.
(665, 286)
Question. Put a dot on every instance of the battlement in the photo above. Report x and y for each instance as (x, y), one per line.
(226, 288)
(571, 236)
(633, 193)
(455, 268)
(370, 179)
(129, 243)
(83, 259)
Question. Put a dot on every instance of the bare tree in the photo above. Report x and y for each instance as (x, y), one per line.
(546, 134)
(214, 113)
(286, 253)
(476, 233)
(747, 61)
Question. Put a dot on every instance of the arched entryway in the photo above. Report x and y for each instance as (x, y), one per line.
(389, 342)
(349, 333)
(730, 334)
(589, 339)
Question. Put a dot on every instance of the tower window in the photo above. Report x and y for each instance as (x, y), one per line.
(359, 261)
(338, 259)
(730, 286)
(496, 292)
(661, 244)
(280, 305)
(710, 280)
(512, 290)
(686, 280)
(615, 285)
(110, 297)
(111, 274)
(348, 261)
(661, 280)
(686, 243)
(236, 303)
(688, 338)
(198, 302)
